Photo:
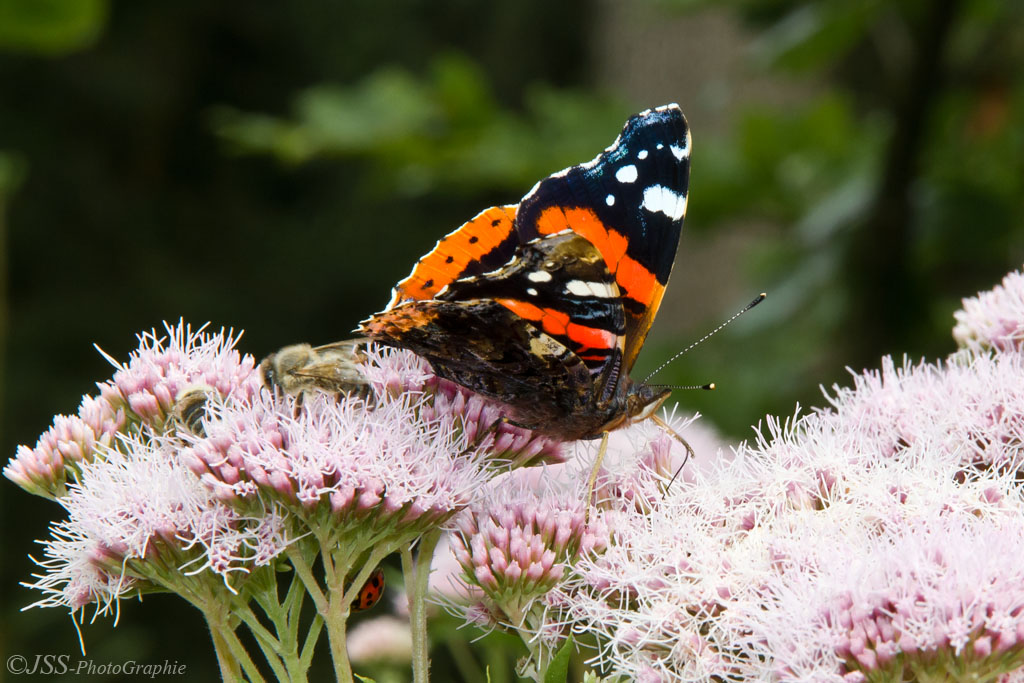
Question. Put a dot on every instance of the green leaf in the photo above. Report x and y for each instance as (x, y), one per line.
(816, 34)
(50, 27)
(365, 679)
(558, 671)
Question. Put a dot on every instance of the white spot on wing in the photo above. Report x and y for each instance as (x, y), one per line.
(602, 290)
(531, 291)
(658, 198)
(539, 276)
(680, 152)
(626, 174)
(660, 146)
(642, 154)
(610, 200)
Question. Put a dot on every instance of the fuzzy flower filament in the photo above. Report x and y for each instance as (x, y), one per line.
(142, 395)
(993, 320)
(879, 539)
(514, 547)
(186, 475)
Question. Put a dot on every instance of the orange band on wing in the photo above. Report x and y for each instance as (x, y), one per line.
(586, 224)
(591, 337)
(556, 323)
(636, 281)
(451, 256)
(524, 309)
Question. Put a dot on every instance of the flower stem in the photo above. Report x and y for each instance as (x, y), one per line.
(229, 668)
(335, 612)
(277, 656)
(336, 621)
(305, 574)
(417, 574)
(231, 654)
(292, 605)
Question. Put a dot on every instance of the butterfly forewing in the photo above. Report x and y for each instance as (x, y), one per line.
(629, 202)
(481, 244)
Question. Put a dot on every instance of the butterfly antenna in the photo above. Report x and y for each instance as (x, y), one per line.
(710, 386)
(760, 297)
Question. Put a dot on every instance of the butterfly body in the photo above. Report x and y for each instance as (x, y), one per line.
(545, 305)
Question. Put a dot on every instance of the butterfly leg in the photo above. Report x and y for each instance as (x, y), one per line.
(592, 481)
(689, 449)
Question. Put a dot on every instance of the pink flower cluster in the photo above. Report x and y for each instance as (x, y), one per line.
(931, 590)
(143, 391)
(383, 466)
(514, 546)
(162, 368)
(971, 404)
(993, 319)
(643, 459)
(70, 441)
(879, 539)
(413, 456)
(945, 586)
(135, 520)
(482, 423)
(151, 505)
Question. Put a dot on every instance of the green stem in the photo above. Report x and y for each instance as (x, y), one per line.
(417, 574)
(229, 668)
(337, 567)
(335, 613)
(305, 574)
(309, 646)
(293, 601)
(336, 621)
(273, 651)
(231, 654)
(299, 662)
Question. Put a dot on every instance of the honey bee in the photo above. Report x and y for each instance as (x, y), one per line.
(190, 408)
(331, 369)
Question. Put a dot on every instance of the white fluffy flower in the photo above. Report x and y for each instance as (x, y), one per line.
(993, 319)
(879, 539)
(138, 519)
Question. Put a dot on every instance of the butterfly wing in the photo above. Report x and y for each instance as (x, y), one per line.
(484, 243)
(485, 347)
(544, 306)
(561, 285)
(540, 334)
(629, 202)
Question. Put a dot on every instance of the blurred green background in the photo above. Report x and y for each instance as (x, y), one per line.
(276, 167)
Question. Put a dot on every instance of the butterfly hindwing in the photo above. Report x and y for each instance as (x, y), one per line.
(629, 202)
(484, 346)
(559, 284)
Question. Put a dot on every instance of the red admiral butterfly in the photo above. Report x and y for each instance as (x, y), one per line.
(545, 305)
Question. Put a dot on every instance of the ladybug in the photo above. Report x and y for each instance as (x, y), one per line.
(371, 592)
